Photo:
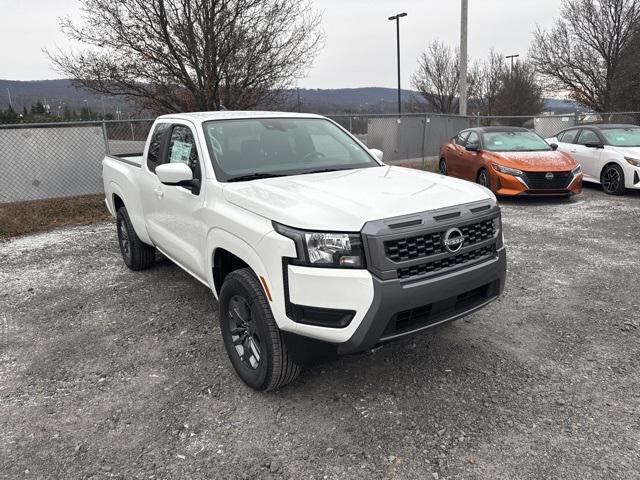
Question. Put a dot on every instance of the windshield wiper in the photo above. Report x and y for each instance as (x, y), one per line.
(324, 170)
(253, 176)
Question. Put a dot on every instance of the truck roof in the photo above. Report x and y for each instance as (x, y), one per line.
(235, 114)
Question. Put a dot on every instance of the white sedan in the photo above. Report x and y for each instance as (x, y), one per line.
(609, 154)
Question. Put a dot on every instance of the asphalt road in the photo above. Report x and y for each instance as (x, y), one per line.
(107, 373)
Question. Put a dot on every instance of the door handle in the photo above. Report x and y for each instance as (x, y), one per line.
(158, 191)
(574, 151)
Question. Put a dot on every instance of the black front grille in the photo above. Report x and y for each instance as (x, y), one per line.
(448, 262)
(539, 180)
(429, 314)
(420, 246)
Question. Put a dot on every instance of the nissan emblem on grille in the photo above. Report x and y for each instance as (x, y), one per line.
(549, 176)
(453, 240)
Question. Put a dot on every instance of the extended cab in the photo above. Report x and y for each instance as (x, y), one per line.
(313, 246)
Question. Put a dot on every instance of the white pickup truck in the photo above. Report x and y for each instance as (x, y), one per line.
(312, 246)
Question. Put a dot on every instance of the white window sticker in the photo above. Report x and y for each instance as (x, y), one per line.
(180, 152)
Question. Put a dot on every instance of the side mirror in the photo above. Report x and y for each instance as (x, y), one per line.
(175, 174)
(378, 155)
(472, 148)
(594, 145)
(554, 146)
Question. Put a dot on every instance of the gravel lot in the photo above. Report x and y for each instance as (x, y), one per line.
(107, 373)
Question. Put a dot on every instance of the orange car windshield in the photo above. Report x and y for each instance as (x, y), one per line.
(514, 142)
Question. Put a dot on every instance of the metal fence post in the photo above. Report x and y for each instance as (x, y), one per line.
(350, 124)
(424, 134)
(106, 138)
(478, 120)
(133, 137)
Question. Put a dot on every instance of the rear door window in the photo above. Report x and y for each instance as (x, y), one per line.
(588, 136)
(568, 137)
(154, 154)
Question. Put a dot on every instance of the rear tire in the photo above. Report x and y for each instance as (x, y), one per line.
(442, 167)
(483, 178)
(136, 254)
(251, 336)
(612, 180)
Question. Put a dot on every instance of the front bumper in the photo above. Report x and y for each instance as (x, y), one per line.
(402, 292)
(509, 185)
(399, 310)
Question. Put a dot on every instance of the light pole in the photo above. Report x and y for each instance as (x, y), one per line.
(397, 19)
(511, 57)
(464, 13)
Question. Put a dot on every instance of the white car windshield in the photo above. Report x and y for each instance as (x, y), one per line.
(510, 141)
(622, 137)
(246, 149)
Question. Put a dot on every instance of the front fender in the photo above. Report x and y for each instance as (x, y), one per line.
(218, 238)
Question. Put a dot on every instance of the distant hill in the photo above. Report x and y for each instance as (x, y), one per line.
(58, 93)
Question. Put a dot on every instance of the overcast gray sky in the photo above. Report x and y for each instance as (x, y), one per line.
(360, 41)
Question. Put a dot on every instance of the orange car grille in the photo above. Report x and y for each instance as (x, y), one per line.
(539, 180)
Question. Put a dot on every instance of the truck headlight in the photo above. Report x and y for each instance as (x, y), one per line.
(325, 249)
(633, 161)
(507, 170)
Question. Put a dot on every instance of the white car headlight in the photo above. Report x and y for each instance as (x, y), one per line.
(633, 161)
(325, 249)
(507, 170)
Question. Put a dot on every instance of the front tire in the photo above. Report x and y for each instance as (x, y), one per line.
(442, 167)
(136, 254)
(483, 178)
(251, 336)
(612, 180)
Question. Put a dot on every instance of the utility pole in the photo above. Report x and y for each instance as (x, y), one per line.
(397, 19)
(299, 104)
(464, 8)
(511, 71)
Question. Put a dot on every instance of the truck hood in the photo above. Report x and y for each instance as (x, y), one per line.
(346, 200)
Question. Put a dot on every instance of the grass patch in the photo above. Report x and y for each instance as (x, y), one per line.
(22, 218)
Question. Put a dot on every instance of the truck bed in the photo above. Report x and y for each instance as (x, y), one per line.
(133, 159)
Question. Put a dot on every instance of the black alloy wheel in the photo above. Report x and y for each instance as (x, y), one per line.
(613, 180)
(483, 179)
(443, 167)
(244, 334)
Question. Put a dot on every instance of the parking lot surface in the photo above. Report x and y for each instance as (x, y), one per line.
(108, 373)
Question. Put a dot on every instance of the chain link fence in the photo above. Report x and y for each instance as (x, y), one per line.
(50, 160)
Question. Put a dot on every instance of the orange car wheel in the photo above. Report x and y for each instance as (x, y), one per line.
(483, 178)
(442, 166)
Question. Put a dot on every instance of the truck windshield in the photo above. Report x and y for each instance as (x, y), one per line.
(514, 142)
(622, 137)
(247, 149)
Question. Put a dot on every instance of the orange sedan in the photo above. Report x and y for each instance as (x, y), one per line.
(510, 161)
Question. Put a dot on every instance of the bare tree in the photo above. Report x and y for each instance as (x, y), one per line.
(179, 55)
(438, 77)
(519, 92)
(583, 52)
(488, 82)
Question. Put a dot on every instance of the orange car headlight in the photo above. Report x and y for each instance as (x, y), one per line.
(508, 170)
